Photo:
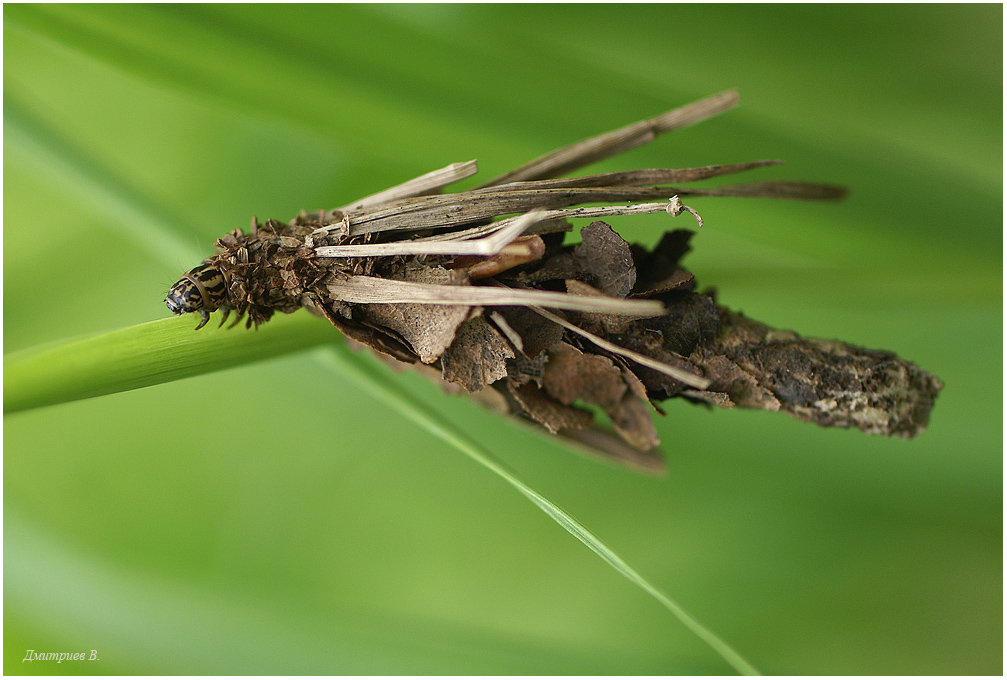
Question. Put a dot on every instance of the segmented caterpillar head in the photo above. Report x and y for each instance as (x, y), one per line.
(201, 289)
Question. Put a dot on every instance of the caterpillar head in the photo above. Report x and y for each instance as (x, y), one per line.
(201, 289)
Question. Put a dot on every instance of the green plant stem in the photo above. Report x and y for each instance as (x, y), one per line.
(147, 354)
(347, 361)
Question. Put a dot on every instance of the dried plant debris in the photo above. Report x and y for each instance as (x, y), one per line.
(478, 289)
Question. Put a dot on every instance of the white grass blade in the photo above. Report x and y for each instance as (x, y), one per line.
(504, 231)
(375, 290)
(418, 185)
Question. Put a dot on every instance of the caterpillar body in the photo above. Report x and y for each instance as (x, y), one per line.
(253, 274)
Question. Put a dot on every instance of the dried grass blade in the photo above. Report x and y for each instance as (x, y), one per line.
(371, 289)
(777, 188)
(457, 244)
(637, 177)
(696, 381)
(513, 228)
(569, 158)
(418, 185)
(452, 210)
(503, 232)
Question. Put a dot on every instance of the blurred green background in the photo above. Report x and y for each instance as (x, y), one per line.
(275, 518)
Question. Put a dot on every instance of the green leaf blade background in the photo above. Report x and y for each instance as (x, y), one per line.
(311, 531)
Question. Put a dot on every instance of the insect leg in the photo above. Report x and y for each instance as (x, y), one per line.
(236, 321)
(205, 317)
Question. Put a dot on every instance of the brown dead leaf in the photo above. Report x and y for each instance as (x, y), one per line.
(632, 420)
(601, 324)
(477, 357)
(678, 278)
(571, 375)
(690, 321)
(548, 412)
(740, 385)
(607, 259)
(716, 398)
(607, 446)
(654, 266)
(536, 333)
(428, 329)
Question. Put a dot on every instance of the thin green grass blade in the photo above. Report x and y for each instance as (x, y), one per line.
(147, 354)
(343, 358)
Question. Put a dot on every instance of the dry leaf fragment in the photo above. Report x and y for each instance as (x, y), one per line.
(632, 420)
(548, 412)
(739, 386)
(571, 375)
(607, 259)
(477, 357)
(536, 336)
(605, 324)
(654, 266)
(429, 329)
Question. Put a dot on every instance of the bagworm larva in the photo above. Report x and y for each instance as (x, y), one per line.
(460, 283)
